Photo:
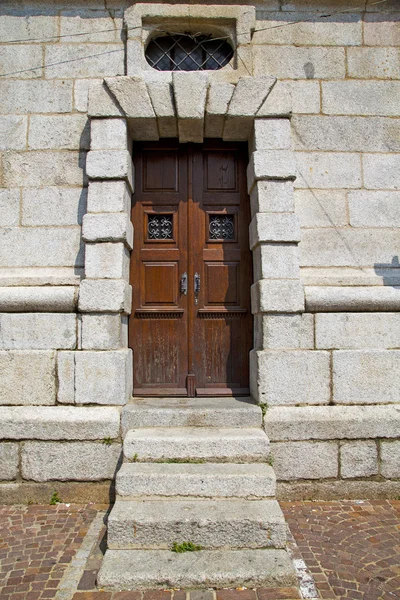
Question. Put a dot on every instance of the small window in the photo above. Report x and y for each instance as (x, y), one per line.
(186, 52)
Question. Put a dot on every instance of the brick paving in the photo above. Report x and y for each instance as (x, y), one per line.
(352, 548)
(36, 545)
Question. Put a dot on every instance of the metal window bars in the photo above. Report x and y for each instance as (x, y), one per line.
(188, 52)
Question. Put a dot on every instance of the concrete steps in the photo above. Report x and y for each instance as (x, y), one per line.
(185, 480)
(190, 412)
(239, 445)
(141, 569)
(211, 524)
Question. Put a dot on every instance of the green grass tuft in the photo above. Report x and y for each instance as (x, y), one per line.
(185, 547)
(55, 499)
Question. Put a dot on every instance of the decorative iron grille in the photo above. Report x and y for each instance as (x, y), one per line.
(222, 227)
(186, 52)
(160, 227)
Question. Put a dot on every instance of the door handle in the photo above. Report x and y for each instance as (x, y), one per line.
(196, 287)
(184, 284)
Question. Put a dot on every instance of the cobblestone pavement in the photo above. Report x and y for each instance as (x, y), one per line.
(352, 548)
(36, 545)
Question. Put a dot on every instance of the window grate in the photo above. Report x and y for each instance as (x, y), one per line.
(186, 52)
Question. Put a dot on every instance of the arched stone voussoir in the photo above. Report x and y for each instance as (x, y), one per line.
(190, 93)
(249, 95)
(132, 96)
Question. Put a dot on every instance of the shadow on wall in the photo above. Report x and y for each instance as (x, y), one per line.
(390, 272)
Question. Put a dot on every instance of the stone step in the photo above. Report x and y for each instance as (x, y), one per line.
(190, 412)
(196, 443)
(211, 524)
(141, 569)
(209, 480)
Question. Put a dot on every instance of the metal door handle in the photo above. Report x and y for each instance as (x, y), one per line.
(184, 284)
(196, 287)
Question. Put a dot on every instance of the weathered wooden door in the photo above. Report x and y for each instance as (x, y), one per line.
(191, 325)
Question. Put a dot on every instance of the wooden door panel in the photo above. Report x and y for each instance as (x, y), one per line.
(191, 215)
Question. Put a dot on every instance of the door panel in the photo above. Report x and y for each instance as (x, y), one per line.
(191, 216)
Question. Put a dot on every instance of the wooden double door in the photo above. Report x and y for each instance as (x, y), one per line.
(191, 324)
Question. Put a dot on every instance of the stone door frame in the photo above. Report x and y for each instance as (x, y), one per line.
(190, 106)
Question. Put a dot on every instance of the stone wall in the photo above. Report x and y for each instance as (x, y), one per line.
(63, 345)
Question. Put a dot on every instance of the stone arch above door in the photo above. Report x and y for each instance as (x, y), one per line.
(190, 106)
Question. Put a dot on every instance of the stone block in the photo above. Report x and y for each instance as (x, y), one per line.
(76, 461)
(9, 459)
(321, 208)
(374, 209)
(66, 377)
(108, 227)
(23, 60)
(59, 423)
(279, 101)
(101, 102)
(271, 134)
(282, 332)
(305, 460)
(276, 261)
(357, 330)
(9, 207)
(110, 164)
(345, 133)
(291, 377)
(357, 299)
(83, 60)
(40, 247)
(277, 295)
(36, 96)
(91, 25)
(366, 376)
(390, 459)
(99, 295)
(13, 131)
(270, 164)
(108, 196)
(40, 168)
(272, 196)
(218, 99)
(204, 480)
(103, 377)
(328, 170)
(42, 298)
(190, 91)
(162, 99)
(274, 227)
(33, 25)
(381, 171)
(104, 332)
(108, 134)
(53, 206)
(331, 422)
(361, 98)
(348, 248)
(358, 459)
(211, 444)
(381, 29)
(373, 63)
(27, 377)
(37, 331)
(249, 95)
(59, 132)
(210, 523)
(306, 96)
(81, 94)
(288, 62)
(107, 261)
